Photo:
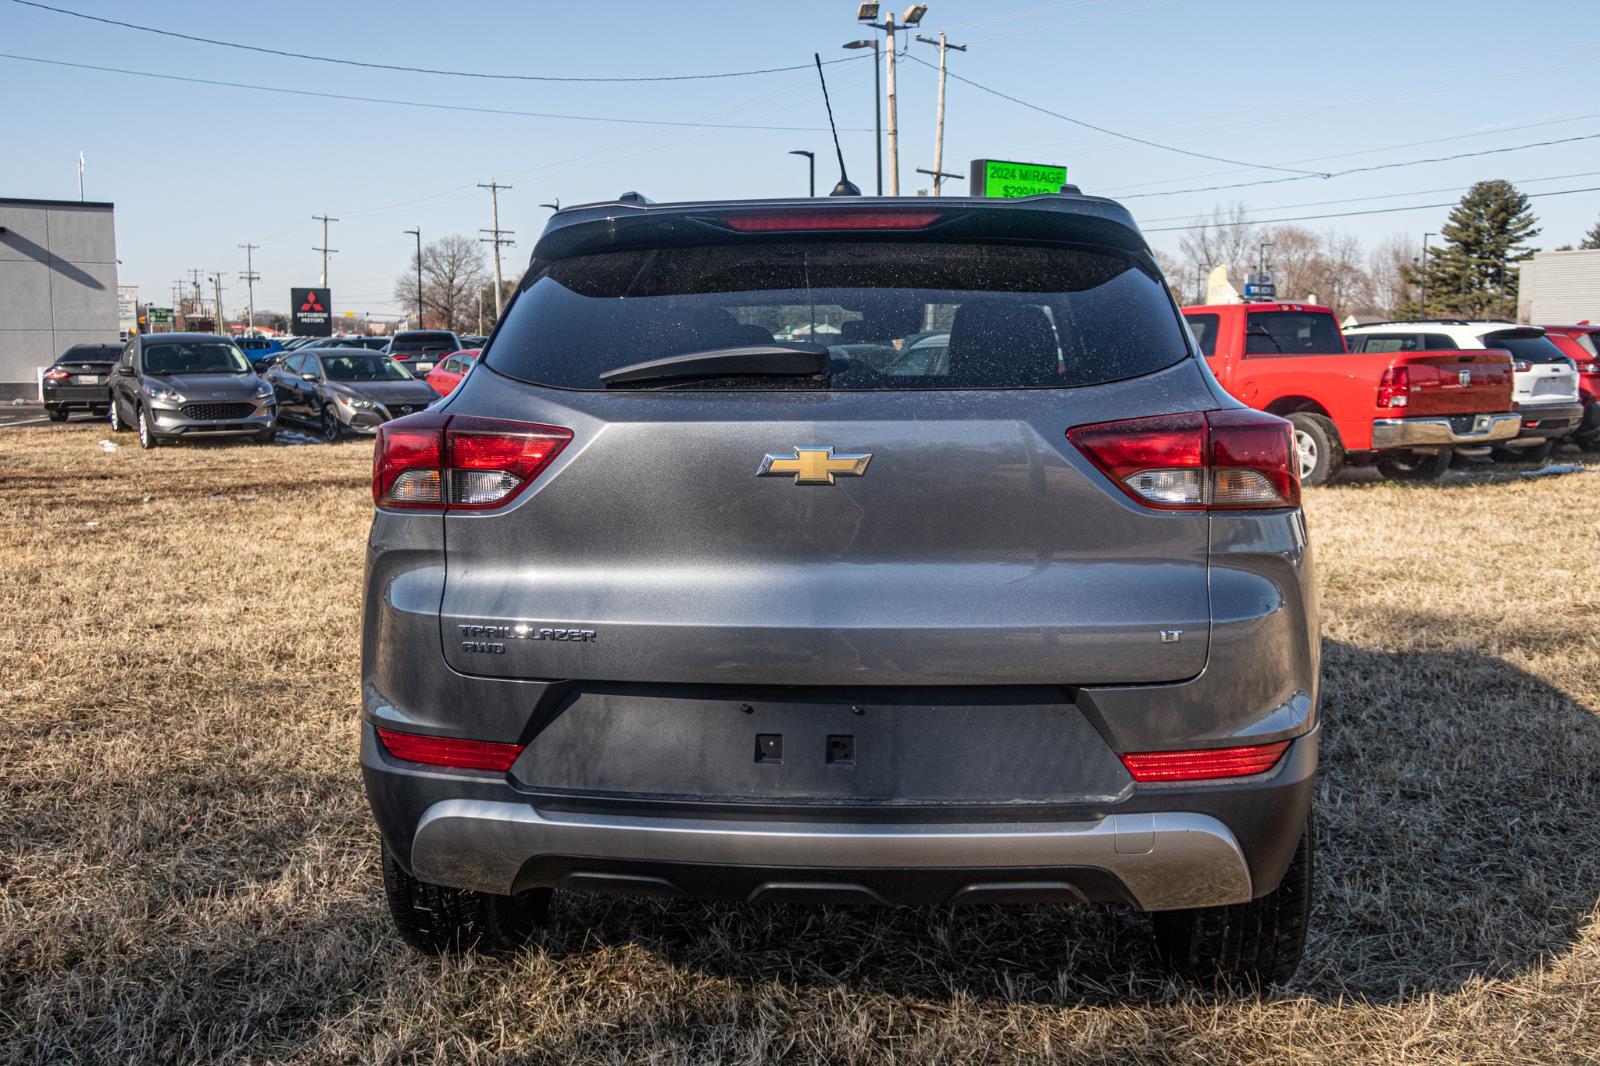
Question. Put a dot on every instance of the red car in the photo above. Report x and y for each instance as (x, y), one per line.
(451, 369)
(1582, 343)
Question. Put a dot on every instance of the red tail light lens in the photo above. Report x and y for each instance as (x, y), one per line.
(805, 219)
(1219, 460)
(1206, 764)
(57, 375)
(1394, 388)
(447, 751)
(430, 461)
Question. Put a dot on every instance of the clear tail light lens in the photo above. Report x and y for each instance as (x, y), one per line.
(1521, 365)
(431, 461)
(1394, 387)
(1219, 460)
(1206, 764)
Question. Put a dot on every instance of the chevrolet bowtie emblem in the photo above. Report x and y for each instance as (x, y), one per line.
(814, 464)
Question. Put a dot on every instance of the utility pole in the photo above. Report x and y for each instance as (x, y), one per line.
(250, 277)
(497, 237)
(1261, 264)
(1422, 306)
(417, 233)
(325, 250)
(194, 283)
(480, 312)
(938, 131)
(216, 288)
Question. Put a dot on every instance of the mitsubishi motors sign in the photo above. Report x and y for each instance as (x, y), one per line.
(311, 311)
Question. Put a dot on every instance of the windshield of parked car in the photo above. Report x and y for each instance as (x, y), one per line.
(892, 315)
(1292, 333)
(363, 368)
(195, 357)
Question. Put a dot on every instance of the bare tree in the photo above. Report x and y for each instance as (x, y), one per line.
(1387, 268)
(453, 274)
(1225, 236)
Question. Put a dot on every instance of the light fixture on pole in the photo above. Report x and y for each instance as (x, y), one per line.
(867, 13)
(417, 233)
(811, 165)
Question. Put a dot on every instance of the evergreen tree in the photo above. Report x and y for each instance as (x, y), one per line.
(1592, 238)
(1473, 274)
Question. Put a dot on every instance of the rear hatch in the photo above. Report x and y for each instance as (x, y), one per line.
(1544, 374)
(688, 533)
(1457, 382)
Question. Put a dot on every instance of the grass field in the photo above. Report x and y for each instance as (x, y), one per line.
(187, 866)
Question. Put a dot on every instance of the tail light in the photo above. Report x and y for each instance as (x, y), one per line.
(440, 462)
(1205, 764)
(1219, 460)
(1583, 368)
(448, 751)
(1394, 387)
(1520, 365)
(57, 374)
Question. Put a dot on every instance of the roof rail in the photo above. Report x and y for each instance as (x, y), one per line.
(1416, 321)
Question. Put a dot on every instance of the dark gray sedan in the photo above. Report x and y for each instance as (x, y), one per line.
(341, 390)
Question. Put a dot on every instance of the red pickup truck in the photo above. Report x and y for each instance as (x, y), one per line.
(1405, 411)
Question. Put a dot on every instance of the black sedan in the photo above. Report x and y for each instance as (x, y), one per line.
(341, 390)
(79, 380)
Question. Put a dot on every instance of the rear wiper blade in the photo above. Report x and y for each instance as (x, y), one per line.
(776, 360)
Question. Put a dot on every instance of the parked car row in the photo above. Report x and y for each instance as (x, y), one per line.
(1406, 397)
(174, 386)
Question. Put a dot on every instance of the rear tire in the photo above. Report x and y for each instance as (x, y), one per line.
(1536, 454)
(1245, 945)
(1590, 444)
(1418, 466)
(435, 919)
(1320, 453)
(55, 414)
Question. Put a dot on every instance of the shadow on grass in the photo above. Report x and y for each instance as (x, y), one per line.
(1458, 841)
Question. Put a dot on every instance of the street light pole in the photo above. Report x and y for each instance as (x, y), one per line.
(417, 233)
(811, 163)
(877, 102)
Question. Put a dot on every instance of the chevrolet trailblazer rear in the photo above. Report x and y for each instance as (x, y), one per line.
(844, 551)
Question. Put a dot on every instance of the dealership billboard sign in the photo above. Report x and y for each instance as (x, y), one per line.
(311, 312)
(1006, 179)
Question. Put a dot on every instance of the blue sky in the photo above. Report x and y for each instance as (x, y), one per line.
(196, 170)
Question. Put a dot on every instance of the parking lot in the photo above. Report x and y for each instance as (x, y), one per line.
(187, 864)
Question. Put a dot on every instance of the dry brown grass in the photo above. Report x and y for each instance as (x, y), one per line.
(187, 864)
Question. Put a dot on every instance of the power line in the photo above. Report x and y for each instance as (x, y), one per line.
(418, 70)
(1345, 214)
(1114, 133)
(1368, 170)
(428, 104)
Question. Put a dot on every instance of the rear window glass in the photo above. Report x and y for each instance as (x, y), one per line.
(898, 315)
(90, 353)
(1292, 333)
(1204, 328)
(424, 342)
(1386, 342)
(1539, 349)
(1587, 340)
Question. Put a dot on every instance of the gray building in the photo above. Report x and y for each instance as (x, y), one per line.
(1560, 289)
(58, 285)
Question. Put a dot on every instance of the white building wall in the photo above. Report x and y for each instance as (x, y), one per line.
(1560, 288)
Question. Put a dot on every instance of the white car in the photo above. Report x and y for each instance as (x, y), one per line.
(1545, 390)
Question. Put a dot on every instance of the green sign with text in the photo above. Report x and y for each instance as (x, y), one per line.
(1005, 178)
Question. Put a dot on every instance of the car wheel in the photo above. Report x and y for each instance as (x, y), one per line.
(435, 919)
(331, 426)
(1416, 466)
(1536, 454)
(1317, 446)
(147, 429)
(55, 414)
(1245, 945)
(114, 415)
(1589, 444)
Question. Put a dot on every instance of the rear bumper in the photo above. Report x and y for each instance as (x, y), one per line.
(1162, 848)
(1541, 422)
(1443, 431)
(65, 396)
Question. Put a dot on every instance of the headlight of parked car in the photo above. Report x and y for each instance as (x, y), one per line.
(357, 405)
(165, 393)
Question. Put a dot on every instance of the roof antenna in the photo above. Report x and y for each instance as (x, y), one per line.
(845, 187)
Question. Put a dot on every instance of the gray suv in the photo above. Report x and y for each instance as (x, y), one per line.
(177, 386)
(707, 583)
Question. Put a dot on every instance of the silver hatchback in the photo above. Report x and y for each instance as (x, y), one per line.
(712, 581)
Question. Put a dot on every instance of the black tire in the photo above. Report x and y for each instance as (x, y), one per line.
(1245, 945)
(1536, 454)
(1317, 445)
(1416, 466)
(55, 414)
(332, 429)
(1589, 444)
(147, 428)
(435, 919)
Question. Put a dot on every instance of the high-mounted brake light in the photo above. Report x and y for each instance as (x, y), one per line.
(448, 751)
(1219, 460)
(437, 462)
(1205, 764)
(806, 220)
(1394, 387)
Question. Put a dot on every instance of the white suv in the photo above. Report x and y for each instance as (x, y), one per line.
(1545, 390)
